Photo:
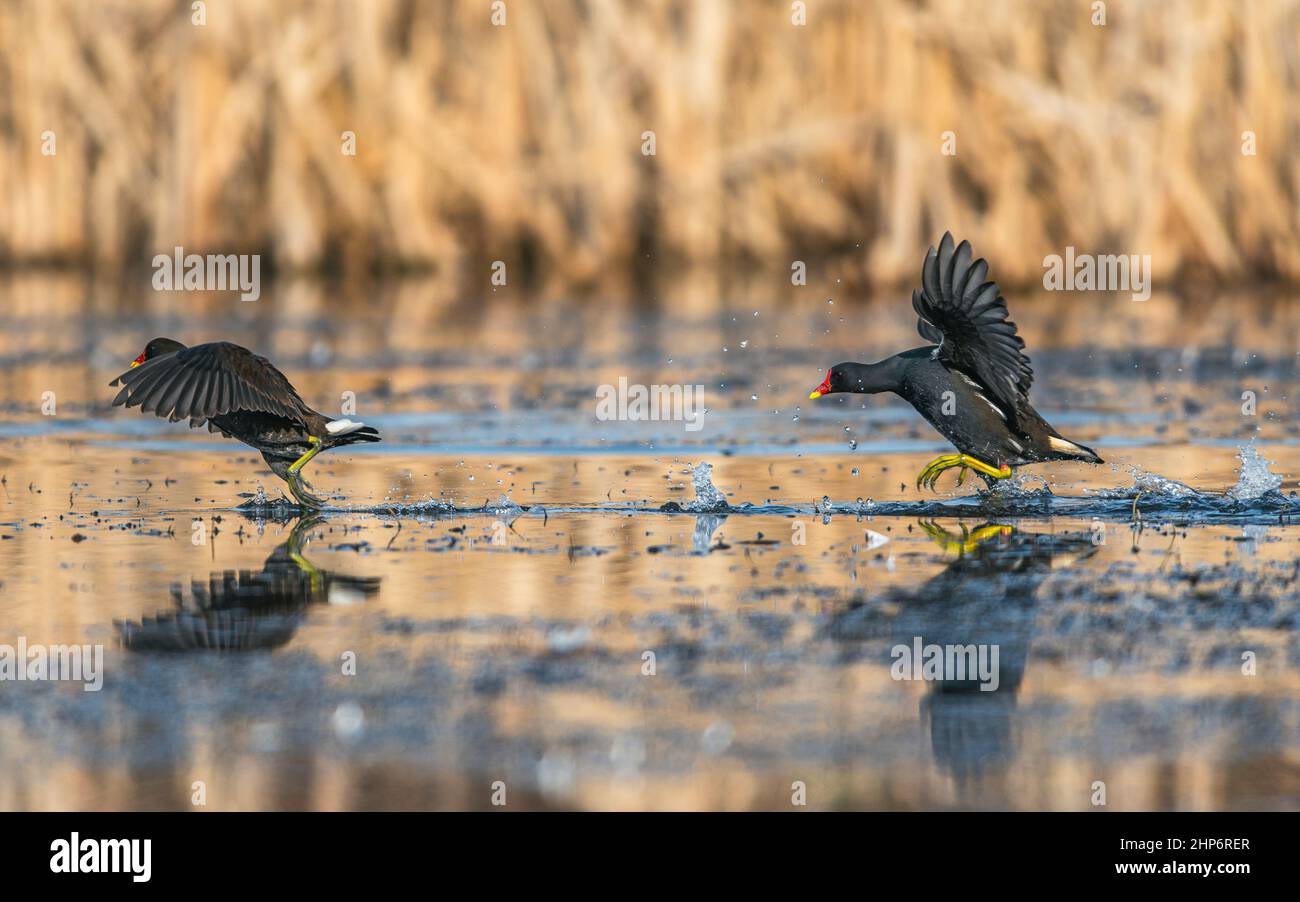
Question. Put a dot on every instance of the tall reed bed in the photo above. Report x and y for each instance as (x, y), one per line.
(773, 141)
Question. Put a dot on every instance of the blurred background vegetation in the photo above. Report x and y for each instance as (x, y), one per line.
(774, 142)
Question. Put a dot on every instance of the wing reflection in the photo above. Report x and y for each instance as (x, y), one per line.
(246, 610)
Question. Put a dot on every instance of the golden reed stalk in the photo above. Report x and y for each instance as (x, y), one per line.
(774, 142)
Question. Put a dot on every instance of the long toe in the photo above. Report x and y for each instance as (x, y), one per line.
(936, 471)
(306, 497)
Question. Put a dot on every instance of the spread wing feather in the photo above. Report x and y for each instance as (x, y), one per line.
(206, 381)
(963, 312)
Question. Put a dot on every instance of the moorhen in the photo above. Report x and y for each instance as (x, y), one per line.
(972, 384)
(242, 396)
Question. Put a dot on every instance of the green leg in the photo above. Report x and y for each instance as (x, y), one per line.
(297, 539)
(297, 484)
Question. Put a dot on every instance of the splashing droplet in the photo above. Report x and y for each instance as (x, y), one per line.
(1255, 478)
(707, 495)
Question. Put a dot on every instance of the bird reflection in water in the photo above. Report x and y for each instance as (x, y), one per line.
(246, 610)
(985, 596)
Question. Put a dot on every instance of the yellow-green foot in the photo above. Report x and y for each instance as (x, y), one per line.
(930, 475)
(298, 485)
(302, 491)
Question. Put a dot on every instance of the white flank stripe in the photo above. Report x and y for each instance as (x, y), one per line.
(979, 394)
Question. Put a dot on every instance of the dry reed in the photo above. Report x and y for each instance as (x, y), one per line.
(774, 141)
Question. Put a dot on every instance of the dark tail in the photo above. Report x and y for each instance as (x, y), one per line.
(365, 434)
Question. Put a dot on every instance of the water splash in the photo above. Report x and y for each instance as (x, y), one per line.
(430, 507)
(707, 496)
(1256, 498)
(504, 507)
(1147, 483)
(275, 508)
(1255, 479)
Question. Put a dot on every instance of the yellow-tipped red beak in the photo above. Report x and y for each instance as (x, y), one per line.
(823, 389)
(139, 360)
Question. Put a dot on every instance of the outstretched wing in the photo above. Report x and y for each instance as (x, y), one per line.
(206, 381)
(967, 317)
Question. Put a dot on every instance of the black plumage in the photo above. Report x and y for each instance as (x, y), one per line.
(973, 384)
(242, 396)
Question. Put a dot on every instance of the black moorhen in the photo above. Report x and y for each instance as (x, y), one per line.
(973, 384)
(242, 396)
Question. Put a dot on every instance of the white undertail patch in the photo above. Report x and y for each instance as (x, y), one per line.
(343, 427)
(1060, 444)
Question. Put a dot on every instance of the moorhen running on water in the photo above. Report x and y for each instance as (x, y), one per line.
(973, 384)
(242, 396)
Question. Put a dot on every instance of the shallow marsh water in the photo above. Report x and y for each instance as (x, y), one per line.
(501, 565)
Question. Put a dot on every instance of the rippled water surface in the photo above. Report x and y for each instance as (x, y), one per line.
(492, 586)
